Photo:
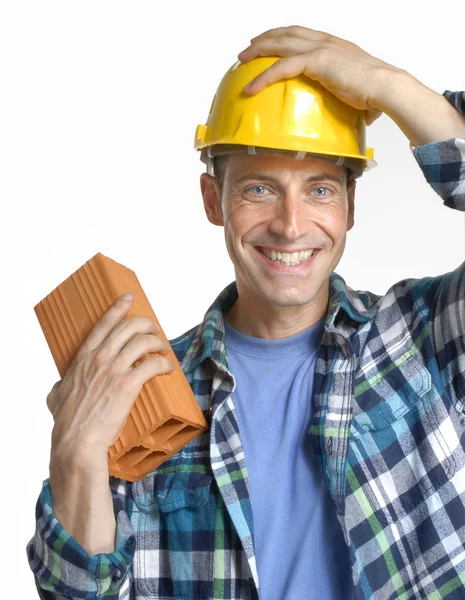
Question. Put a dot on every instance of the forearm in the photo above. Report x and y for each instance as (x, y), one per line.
(77, 550)
(423, 115)
(82, 501)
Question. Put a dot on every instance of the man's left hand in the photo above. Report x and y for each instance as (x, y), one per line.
(351, 74)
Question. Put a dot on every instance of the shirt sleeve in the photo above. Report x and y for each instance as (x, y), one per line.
(63, 569)
(443, 163)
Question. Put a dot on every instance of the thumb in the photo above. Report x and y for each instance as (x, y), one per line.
(372, 115)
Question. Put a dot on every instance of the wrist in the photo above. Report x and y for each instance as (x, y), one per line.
(391, 85)
(75, 471)
(66, 458)
(69, 452)
(423, 115)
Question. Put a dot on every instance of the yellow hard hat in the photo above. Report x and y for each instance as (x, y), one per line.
(296, 114)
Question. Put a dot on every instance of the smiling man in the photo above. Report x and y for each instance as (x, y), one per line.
(334, 465)
(285, 227)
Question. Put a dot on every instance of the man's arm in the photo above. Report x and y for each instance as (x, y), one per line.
(423, 115)
(81, 499)
(64, 569)
(443, 165)
(74, 551)
(443, 162)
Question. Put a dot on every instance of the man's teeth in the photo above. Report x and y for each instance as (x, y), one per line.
(287, 258)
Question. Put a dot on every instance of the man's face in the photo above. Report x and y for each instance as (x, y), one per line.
(273, 203)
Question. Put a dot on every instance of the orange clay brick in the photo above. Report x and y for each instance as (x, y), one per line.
(166, 415)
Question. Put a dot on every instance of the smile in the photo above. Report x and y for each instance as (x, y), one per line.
(287, 258)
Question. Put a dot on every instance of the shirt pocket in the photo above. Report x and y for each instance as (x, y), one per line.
(175, 535)
(398, 449)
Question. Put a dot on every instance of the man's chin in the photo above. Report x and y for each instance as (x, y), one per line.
(290, 297)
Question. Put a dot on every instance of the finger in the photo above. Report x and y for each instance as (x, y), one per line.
(282, 69)
(372, 116)
(293, 30)
(123, 333)
(305, 33)
(149, 368)
(138, 347)
(108, 321)
(283, 46)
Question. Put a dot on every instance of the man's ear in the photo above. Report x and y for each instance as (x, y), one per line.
(211, 199)
(351, 203)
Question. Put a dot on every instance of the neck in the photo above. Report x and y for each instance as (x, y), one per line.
(253, 316)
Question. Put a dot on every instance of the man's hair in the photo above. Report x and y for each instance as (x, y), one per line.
(219, 169)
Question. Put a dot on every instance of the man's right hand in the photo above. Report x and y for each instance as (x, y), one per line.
(91, 404)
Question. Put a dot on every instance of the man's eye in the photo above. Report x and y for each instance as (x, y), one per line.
(321, 188)
(258, 190)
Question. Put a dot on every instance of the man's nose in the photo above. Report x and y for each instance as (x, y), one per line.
(290, 217)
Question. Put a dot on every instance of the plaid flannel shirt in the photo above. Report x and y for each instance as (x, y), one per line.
(388, 428)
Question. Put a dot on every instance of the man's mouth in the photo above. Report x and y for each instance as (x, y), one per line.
(289, 259)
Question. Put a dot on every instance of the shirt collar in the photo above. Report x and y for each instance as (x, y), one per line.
(209, 338)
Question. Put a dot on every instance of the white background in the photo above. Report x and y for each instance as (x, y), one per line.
(99, 103)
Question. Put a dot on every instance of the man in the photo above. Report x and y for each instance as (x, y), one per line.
(334, 466)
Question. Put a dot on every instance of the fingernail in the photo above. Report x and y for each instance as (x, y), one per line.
(127, 296)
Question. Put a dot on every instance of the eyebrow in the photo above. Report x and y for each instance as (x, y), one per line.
(311, 179)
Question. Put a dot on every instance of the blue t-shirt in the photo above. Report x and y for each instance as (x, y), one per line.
(299, 545)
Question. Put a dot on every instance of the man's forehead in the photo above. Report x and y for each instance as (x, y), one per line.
(241, 164)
